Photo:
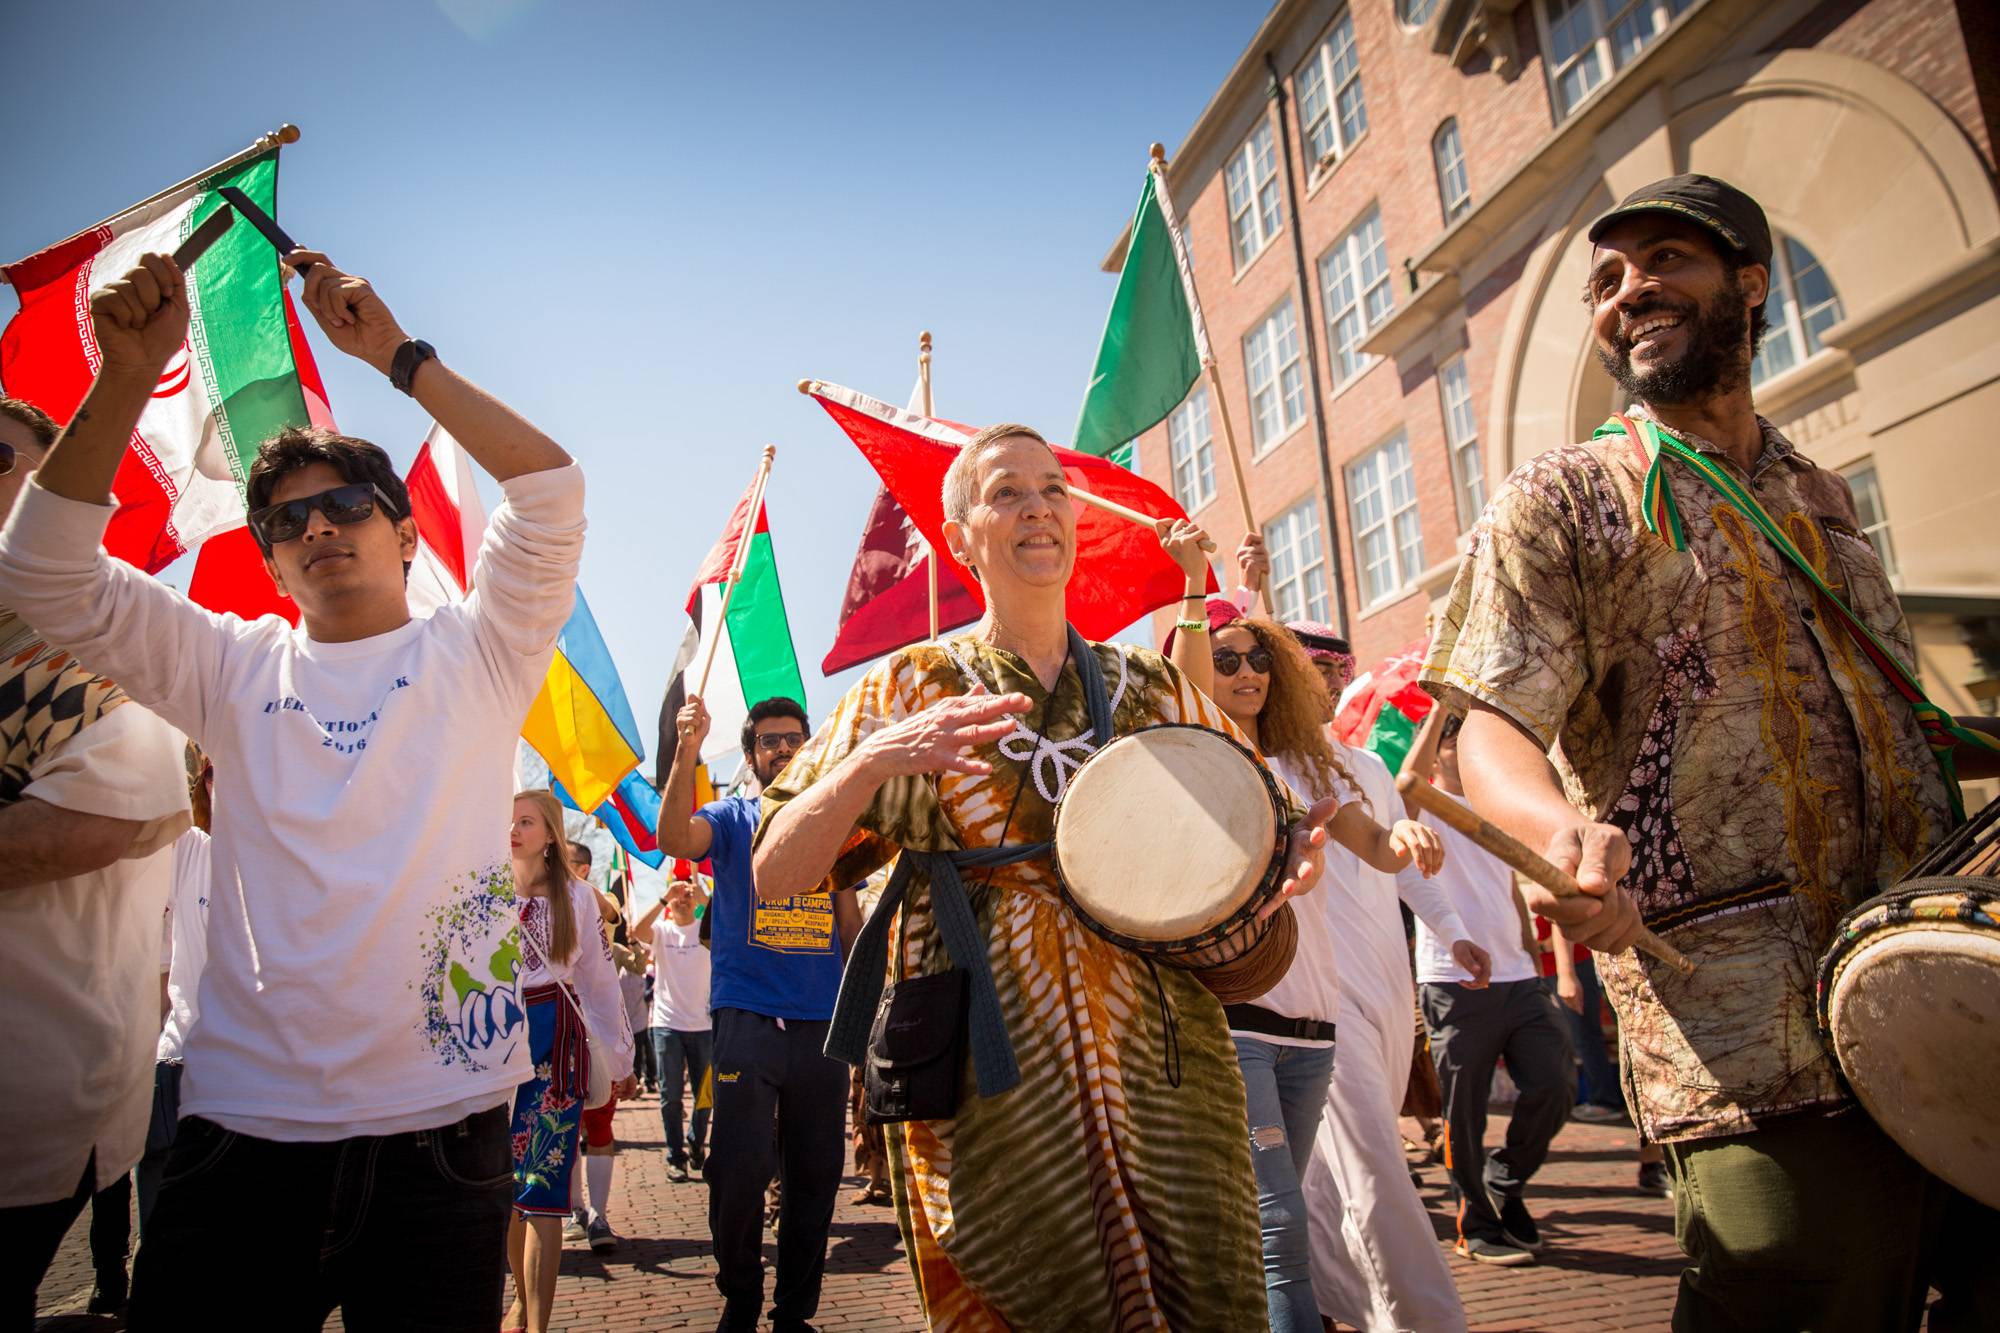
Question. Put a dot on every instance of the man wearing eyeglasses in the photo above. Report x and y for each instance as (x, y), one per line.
(774, 974)
(344, 1106)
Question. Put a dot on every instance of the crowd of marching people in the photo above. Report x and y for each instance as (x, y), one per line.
(263, 943)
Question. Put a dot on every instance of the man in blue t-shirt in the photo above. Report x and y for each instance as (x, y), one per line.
(774, 973)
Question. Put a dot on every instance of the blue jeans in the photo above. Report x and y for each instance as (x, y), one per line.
(1600, 1075)
(673, 1053)
(1285, 1089)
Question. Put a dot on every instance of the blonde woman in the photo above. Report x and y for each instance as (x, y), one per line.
(566, 980)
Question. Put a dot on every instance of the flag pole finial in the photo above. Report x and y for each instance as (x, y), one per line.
(924, 341)
(1159, 154)
(805, 386)
(286, 133)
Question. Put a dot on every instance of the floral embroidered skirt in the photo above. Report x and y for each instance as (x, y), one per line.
(547, 1112)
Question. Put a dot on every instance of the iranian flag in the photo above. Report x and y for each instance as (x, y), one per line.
(1383, 707)
(754, 658)
(243, 375)
(1155, 343)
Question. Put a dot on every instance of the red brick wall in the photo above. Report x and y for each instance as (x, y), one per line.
(1922, 40)
(1409, 91)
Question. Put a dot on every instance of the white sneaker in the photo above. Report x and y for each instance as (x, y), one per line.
(574, 1229)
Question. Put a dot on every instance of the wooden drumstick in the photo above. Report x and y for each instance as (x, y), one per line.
(1418, 792)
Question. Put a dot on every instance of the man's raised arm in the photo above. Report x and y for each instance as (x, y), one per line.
(357, 321)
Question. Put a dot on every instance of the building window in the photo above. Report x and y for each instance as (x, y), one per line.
(1189, 446)
(1461, 435)
(1331, 107)
(1382, 514)
(1255, 209)
(1298, 566)
(1454, 187)
(1802, 306)
(1868, 507)
(1277, 377)
(1590, 40)
(1414, 13)
(1354, 283)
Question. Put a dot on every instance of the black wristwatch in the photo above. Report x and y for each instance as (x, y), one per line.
(403, 368)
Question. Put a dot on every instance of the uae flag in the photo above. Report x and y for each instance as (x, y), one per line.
(754, 659)
(1383, 707)
(243, 374)
(1155, 343)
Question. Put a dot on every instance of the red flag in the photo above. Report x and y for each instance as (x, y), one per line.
(1121, 572)
(1383, 707)
(888, 591)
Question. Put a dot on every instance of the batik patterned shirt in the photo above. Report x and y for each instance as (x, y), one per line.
(1709, 703)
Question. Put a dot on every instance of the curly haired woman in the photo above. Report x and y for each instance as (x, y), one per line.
(1284, 1042)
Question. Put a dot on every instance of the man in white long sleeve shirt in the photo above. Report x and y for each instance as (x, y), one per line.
(1471, 1028)
(1375, 1258)
(346, 1087)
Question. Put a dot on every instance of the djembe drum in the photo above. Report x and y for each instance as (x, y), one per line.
(1909, 1003)
(1169, 841)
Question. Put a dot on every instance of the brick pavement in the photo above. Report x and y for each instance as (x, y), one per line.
(1610, 1263)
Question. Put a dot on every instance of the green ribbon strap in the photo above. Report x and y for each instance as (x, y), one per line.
(1662, 518)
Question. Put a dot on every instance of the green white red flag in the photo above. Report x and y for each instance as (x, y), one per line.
(1383, 707)
(243, 375)
(1155, 342)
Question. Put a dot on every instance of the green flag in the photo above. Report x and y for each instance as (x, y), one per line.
(1154, 342)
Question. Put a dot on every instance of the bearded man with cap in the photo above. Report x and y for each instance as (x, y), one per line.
(1624, 629)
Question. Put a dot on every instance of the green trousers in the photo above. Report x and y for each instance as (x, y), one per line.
(1823, 1225)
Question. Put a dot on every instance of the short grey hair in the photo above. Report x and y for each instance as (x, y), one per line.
(958, 478)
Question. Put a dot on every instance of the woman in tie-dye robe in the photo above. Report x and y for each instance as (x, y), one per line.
(1095, 1194)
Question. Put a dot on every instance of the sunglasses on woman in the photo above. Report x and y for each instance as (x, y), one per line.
(287, 520)
(1228, 659)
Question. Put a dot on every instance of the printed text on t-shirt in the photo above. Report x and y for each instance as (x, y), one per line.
(342, 735)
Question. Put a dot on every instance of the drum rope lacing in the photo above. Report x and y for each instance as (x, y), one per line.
(1049, 761)
(861, 982)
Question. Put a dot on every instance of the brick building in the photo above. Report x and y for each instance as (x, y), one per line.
(1385, 202)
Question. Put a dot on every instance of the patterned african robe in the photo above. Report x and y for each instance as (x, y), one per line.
(1704, 701)
(1093, 1195)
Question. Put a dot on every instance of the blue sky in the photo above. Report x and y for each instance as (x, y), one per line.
(641, 224)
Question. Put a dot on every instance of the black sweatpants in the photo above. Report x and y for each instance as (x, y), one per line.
(1470, 1030)
(767, 1068)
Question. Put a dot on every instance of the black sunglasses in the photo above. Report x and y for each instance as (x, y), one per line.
(1227, 660)
(286, 520)
(772, 740)
(6, 458)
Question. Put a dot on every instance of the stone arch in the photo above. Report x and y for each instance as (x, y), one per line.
(1855, 161)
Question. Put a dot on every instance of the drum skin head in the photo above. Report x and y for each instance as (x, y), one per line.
(1915, 1019)
(1165, 832)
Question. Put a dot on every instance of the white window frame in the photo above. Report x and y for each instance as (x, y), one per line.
(1461, 438)
(1454, 181)
(1256, 158)
(1791, 321)
(1866, 483)
(1368, 310)
(1191, 451)
(1413, 14)
(1299, 589)
(1285, 378)
(1393, 538)
(1603, 18)
(1324, 62)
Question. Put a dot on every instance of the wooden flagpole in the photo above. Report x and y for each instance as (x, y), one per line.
(1158, 166)
(742, 558)
(264, 143)
(930, 555)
